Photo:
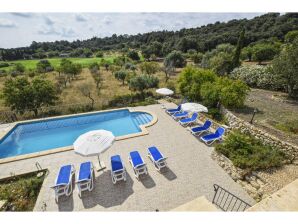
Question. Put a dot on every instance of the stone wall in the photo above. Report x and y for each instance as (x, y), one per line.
(250, 181)
(245, 127)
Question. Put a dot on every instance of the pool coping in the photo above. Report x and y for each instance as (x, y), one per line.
(143, 128)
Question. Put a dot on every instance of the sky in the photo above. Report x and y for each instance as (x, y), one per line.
(20, 29)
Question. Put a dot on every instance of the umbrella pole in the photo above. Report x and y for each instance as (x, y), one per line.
(101, 167)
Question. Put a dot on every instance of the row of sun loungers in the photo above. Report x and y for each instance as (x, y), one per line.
(183, 118)
(85, 180)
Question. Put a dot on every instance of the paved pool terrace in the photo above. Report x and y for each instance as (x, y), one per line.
(191, 173)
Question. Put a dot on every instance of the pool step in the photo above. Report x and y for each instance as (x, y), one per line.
(142, 119)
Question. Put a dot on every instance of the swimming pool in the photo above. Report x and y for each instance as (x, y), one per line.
(37, 136)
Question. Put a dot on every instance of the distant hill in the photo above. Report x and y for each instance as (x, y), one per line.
(204, 38)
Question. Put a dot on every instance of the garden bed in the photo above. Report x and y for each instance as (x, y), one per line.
(20, 192)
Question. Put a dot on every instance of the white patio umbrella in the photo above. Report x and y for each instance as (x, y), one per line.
(93, 143)
(194, 107)
(164, 92)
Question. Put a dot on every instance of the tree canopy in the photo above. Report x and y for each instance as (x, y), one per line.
(161, 43)
(22, 95)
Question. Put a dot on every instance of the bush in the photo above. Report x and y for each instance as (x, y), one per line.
(221, 63)
(264, 52)
(143, 82)
(247, 152)
(133, 55)
(4, 64)
(191, 79)
(215, 114)
(258, 76)
(228, 92)
(44, 66)
(99, 54)
(132, 100)
(176, 59)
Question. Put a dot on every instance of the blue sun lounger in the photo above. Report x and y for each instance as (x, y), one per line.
(201, 129)
(137, 163)
(210, 138)
(85, 179)
(63, 182)
(181, 115)
(157, 158)
(173, 111)
(189, 120)
(118, 171)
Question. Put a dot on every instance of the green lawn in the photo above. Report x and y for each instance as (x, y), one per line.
(31, 64)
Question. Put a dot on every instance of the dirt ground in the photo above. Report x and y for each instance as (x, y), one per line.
(273, 108)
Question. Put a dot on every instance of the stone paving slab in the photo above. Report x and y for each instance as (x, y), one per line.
(191, 173)
(200, 204)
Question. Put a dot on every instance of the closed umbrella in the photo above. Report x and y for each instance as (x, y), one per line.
(194, 107)
(93, 143)
(164, 92)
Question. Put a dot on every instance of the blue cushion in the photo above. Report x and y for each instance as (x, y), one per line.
(206, 126)
(136, 158)
(155, 153)
(116, 163)
(198, 129)
(219, 132)
(85, 171)
(185, 120)
(210, 137)
(181, 114)
(64, 175)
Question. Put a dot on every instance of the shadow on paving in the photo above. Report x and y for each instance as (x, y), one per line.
(169, 174)
(105, 193)
(66, 203)
(147, 181)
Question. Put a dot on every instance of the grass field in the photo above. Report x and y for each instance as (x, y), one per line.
(31, 64)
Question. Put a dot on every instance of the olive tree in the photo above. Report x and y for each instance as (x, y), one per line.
(121, 75)
(285, 66)
(21, 95)
(142, 82)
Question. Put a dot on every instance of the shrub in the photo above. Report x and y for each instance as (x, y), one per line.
(258, 76)
(133, 55)
(44, 66)
(149, 68)
(135, 99)
(221, 63)
(176, 59)
(191, 79)
(228, 92)
(264, 51)
(99, 54)
(247, 152)
(4, 64)
(143, 82)
(233, 93)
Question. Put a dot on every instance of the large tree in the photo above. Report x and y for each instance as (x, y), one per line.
(142, 82)
(286, 67)
(22, 95)
(176, 59)
(149, 68)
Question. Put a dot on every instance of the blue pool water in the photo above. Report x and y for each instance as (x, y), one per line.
(59, 132)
